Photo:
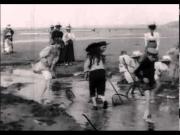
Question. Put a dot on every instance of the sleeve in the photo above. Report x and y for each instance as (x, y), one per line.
(157, 71)
(64, 38)
(158, 40)
(137, 71)
(145, 39)
(86, 65)
(12, 32)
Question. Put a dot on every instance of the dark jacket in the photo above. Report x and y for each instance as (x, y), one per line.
(146, 70)
(57, 34)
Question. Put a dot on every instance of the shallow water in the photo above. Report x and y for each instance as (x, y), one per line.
(127, 116)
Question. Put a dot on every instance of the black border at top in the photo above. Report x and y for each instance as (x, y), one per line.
(89, 2)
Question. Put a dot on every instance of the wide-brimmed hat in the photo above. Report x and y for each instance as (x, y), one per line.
(95, 45)
(136, 54)
(58, 25)
(166, 58)
(152, 25)
(152, 51)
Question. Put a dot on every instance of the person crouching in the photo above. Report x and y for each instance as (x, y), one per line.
(95, 71)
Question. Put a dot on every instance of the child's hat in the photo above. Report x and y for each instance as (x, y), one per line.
(95, 45)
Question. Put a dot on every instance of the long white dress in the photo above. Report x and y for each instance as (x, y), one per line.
(8, 46)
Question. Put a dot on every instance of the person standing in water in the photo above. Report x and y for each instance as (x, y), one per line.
(145, 73)
(94, 69)
(46, 65)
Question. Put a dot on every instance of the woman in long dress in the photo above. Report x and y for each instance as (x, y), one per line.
(8, 45)
(152, 38)
(68, 39)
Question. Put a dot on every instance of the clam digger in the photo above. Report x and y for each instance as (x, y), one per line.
(46, 65)
(49, 56)
(95, 73)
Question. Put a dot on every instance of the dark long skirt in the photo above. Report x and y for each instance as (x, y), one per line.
(62, 55)
(69, 52)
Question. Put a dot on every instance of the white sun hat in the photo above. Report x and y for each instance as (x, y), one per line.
(136, 54)
(166, 58)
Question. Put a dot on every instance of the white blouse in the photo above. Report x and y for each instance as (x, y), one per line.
(129, 62)
(67, 36)
(94, 66)
(149, 37)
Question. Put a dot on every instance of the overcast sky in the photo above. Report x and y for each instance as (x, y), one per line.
(79, 15)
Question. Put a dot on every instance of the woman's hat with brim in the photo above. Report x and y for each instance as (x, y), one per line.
(152, 25)
(95, 45)
(58, 25)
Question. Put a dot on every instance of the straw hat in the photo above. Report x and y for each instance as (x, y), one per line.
(136, 54)
(166, 58)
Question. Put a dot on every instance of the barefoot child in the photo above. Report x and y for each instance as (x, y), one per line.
(145, 73)
(94, 69)
(46, 65)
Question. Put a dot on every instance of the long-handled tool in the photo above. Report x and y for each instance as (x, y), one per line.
(90, 122)
(134, 81)
(118, 94)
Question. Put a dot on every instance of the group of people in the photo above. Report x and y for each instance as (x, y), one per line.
(145, 68)
(7, 46)
(66, 41)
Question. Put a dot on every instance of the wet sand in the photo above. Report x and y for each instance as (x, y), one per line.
(22, 114)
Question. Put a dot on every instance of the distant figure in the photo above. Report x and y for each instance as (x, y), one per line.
(50, 34)
(126, 67)
(95, 72)
(57, 35)
(152, 38)
(68, 39)
(8, 45)
(8, 33)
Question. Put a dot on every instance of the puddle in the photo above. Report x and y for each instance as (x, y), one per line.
(127, 116)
